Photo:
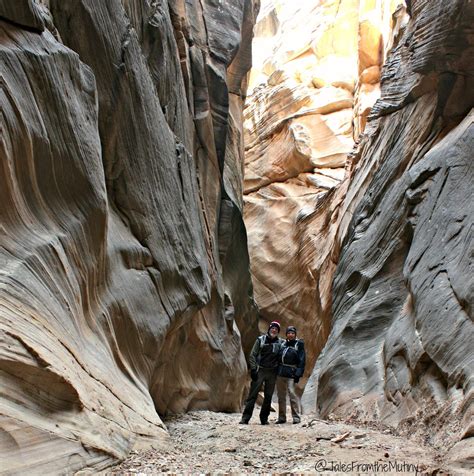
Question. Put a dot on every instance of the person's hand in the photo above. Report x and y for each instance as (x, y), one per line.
(254, 375)
(296, 379)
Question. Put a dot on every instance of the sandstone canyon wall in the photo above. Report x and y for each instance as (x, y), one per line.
(314, 79)
(401, 345)
(124, 274)
(370, 254)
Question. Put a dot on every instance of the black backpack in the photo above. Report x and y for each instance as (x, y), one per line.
(290, 359)
(290, 355)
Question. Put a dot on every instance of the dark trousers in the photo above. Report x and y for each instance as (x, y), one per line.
(267, 378)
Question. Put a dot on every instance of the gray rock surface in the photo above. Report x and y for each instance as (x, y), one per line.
(26, 13)
(123, 262)
(403, 293)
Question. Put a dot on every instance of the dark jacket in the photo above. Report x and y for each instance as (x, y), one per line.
(292, 359)
(265, 353)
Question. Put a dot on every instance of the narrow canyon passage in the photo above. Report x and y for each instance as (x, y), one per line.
(175, 175)
(316, 75)
(353, 138)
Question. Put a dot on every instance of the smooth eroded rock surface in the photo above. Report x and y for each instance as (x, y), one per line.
(314, 79)
(400, 348)
(123, 266)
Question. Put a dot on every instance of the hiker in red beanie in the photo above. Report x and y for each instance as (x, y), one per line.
(263, 360)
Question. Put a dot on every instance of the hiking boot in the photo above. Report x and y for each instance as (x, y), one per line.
(243, 422)
(279, 422)
(296, 421)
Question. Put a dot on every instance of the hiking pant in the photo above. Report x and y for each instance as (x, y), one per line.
(287, 385)
(267, 378)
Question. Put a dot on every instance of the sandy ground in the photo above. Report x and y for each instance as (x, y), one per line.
(206, 442)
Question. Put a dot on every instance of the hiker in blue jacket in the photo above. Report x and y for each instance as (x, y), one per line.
(263, 362)
(290, 370)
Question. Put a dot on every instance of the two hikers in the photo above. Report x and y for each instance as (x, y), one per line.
(272, 357)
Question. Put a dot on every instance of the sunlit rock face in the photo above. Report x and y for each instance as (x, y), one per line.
(124, 274)
(401, 345)
(315, 75)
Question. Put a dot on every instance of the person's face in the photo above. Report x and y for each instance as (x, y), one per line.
(290, 335)
(273, 331)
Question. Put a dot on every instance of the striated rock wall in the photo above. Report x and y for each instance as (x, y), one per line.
(315, 76)
(124, 274)
(400, 349)
(368, 254)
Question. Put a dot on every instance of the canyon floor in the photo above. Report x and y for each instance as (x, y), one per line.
(214, 443)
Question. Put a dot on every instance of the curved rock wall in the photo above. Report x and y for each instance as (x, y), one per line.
(124, 269)
(400, 348)
(315, 76)
(370, 252)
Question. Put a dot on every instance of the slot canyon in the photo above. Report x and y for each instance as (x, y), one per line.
(178, 174)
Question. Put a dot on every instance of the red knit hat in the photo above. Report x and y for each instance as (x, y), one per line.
(274, 324)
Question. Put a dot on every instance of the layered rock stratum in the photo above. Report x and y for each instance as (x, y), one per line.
(369, 254)
(315, 76)
(125, 291)
(123, 261)
(400, 348)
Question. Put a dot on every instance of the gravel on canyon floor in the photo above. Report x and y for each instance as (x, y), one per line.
(203, 442)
